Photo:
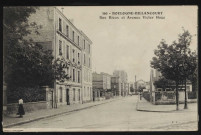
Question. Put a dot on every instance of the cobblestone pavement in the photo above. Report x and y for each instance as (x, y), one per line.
(119, 115)
(13, 119)
(187, 126)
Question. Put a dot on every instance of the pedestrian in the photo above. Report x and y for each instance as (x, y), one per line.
(21, 108)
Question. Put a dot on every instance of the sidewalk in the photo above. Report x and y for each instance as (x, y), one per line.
(144, 105)
(13, 120)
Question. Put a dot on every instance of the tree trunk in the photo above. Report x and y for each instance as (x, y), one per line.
(177, 96)
(185, 104)
(55, 95)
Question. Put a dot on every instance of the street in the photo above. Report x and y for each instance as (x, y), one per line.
(119, 115)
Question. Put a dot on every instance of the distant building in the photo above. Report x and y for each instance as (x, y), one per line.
(127, 88)
(116, 85)
(132, 88)
(101, 83)
(123, 81)
(141, 83)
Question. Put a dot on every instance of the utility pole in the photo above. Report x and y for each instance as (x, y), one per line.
(135, 85)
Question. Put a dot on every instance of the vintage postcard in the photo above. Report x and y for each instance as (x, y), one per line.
(100, 68)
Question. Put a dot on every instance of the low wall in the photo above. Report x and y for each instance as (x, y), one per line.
(28, 107)
(168, 97)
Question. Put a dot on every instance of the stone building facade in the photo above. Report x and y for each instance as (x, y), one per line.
(59, 34)
(101, 84)
(123, 81)
(116, 85)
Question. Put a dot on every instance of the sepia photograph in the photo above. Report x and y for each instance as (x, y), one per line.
(100, 68)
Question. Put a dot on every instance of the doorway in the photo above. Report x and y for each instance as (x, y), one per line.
(67, 97)
(94, 95)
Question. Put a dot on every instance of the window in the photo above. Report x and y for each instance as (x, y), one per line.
(87, 91)
(60, 47)
(90, 93)
(60, 25)
(78, 57)
(84, 44)
(79, 95)
(73, 36)
(73, 94)
(67, 31)
(84, 60)
(60, 97)
(73, 55)
(89, 62)
(78, 40)
(67, 52)
(67, 71)
(89, 48)
(78, 73)
(73, 75)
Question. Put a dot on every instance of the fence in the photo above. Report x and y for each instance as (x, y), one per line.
(169, 97)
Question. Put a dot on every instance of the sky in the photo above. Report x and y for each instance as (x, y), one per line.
(128, 44)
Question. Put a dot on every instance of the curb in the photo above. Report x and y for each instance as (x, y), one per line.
(143, 110)
(49, 116)
(146, 110)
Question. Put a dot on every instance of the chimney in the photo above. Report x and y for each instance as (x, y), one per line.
(62, 9)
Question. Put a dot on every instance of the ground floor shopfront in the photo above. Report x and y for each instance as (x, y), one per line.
(98, 95)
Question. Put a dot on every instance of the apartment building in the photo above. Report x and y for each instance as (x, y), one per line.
(123, 81)
(66, 41)
(116, 85)
(101, 84)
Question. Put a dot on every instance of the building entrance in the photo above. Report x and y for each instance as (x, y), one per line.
(67, 97)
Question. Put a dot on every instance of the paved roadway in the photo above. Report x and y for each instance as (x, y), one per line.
(119, 115)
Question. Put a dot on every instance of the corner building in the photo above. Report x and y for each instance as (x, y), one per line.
(60, 35)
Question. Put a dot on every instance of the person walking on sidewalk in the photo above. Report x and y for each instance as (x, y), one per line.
(21, 108)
